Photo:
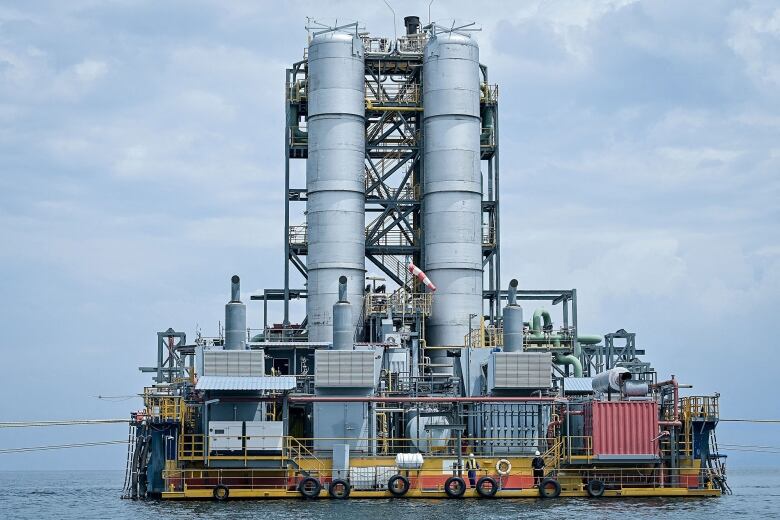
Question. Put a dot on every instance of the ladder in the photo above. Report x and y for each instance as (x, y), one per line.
(716, 466)
(131, 438)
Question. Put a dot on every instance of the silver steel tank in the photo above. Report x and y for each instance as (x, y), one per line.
(235, 318)
(334, 177)
(452, 189)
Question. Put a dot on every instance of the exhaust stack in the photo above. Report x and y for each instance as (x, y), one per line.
(235, 318)
(513, 321)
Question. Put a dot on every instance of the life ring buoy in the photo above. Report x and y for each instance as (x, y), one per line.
(398, 485)
(487, 487)
(310, 487)
(221, 493)
(455, 487)
(550, 488)
(339, 489)
(503, 467)
(595, 488)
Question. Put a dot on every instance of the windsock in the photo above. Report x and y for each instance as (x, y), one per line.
(416, 271)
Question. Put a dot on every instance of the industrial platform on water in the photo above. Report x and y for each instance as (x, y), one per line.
(427, 380)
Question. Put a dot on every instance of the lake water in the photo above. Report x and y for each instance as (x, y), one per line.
(95, 494)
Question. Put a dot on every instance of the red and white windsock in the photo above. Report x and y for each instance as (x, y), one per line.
(416, 271)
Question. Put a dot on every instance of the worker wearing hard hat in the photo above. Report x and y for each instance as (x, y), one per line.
(471, 467)
(538, 466)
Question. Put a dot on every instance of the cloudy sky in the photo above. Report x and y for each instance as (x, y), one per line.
(141, 164)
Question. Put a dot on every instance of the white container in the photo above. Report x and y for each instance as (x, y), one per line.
(409, 460)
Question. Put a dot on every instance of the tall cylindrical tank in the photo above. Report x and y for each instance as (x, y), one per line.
(235, 318)
(343, 328)
(513, 322)
(452, 189)
(334, 177)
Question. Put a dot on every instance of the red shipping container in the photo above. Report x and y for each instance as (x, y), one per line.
(623, 430)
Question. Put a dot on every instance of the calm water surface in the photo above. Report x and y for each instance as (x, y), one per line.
(94, 494)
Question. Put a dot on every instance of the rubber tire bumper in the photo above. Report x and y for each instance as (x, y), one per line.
(339, 482)
(455, 493)
(487, 493)
(221, 493)
(546, 493)
(595, 488)
(404, 485)
(309, 493)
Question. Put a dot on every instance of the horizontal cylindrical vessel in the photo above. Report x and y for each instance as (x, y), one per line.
(334, 177)
(452, 190)
(612, 379)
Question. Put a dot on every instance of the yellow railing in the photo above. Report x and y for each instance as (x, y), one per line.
(164, 407)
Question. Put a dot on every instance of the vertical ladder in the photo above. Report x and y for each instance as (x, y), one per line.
(715, 463)
(131, 437)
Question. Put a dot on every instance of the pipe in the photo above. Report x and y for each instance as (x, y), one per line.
(411, 399)
(343, 329)
(588, 340)
(343, 289)
(235, 289)
(512, 292)
(676, 385)
(513, 322)
(539, 314)
(569, 359)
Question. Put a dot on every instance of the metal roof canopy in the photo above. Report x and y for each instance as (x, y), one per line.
(245, 383)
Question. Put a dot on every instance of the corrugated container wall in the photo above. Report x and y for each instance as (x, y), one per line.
(452, 189)
(622, 428)
(334, 177)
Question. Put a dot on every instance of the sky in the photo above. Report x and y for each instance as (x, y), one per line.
(142, 164)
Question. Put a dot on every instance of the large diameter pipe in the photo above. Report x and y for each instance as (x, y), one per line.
(452, 189)
(334, 177)
(343, 329)
(513, 322)
(611, 380)
(570, 360)
(235, 318)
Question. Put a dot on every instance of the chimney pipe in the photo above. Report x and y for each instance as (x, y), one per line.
(513, 321)
(235, 318)
(343, 329)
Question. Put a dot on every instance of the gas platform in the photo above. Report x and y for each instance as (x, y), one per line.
(427, 379)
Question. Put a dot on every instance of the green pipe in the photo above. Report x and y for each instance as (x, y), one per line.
(536, 327)
(569, 359)
(588, 340)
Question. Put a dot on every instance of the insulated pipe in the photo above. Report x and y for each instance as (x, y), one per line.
(513, 322)
(343, 330)
(235, 318)
(572, 360)
(676, 385)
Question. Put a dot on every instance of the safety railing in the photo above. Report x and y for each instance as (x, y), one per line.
(392, 94)
(488, 93)
(164, 407)
(700, 407)
(298, 235)
(377, 45)
(191, 446)
(413, 44)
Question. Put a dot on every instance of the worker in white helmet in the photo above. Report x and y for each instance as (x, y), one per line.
(471, 467)
(538, 466)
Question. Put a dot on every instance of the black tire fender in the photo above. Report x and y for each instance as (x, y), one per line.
(335, 485)
(221, 493)
(396, 491)
(595, 488)
(489, 492)
(549, 488)
(310, 492)
(458, 490)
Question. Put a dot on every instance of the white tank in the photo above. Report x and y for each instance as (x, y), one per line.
(334, 177)
(452, 189)
(427, 439)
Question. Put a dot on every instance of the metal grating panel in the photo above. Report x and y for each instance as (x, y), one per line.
(521, 370)
(344, 368)
(245, 383)
(578, 385)
(246, 363)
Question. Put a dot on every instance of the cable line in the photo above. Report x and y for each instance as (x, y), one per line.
(59, 446)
